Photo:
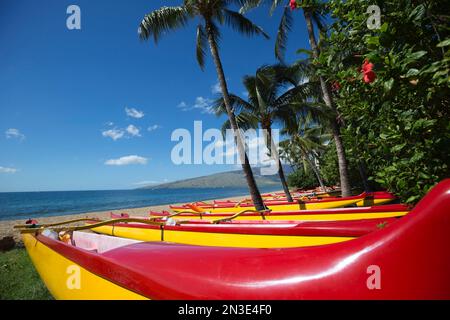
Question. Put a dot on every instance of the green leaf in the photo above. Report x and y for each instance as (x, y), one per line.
(412, 199)
(417, 55)
(373, 40)
(412, 72)
(388, 84)
(424, 175)
(444, 43)
(398, 147)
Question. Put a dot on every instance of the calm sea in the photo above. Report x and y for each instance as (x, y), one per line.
(24, 205)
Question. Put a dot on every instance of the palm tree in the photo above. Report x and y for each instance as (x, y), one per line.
(307, 140)
(211, 14)
(312, 11)
(274, 94)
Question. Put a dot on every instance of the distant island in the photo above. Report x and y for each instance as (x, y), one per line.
(228, 179)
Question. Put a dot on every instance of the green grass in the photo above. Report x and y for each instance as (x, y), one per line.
(19, 279)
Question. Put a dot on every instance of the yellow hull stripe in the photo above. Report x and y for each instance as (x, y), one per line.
(67, 280)
(219, 239)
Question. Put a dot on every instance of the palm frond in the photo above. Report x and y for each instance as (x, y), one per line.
(308, 52)
(244, 121)
(300, 93)
(247, 5)
(218, 105)
(240, 23)
(282, 34)
(240, 104)
(318, 14)
(225, 126)
(275, 4)
(163, 20)
(200, 47)
(237, 103)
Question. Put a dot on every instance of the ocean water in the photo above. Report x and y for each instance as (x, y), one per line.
(24, 205)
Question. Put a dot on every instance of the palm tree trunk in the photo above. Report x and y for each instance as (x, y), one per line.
(269, 144)
(283, 182)
(253, 188)
(342, 160)
(314, 169)
(363, 174)
(316, 172)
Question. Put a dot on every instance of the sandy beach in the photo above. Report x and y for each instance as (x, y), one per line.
(7, 230)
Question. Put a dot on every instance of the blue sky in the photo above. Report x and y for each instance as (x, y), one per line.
(64, 93)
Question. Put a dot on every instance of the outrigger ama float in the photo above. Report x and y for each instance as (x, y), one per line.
(411, 257)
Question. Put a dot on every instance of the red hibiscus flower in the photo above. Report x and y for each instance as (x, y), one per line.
(367, 66)
(293, 4)
(368, 75)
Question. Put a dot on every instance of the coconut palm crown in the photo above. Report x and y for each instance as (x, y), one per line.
(274, 94)
(210, 15)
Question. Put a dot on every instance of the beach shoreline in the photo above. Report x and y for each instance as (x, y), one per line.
(7, 230)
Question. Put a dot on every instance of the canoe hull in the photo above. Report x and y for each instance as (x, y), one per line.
(277, 207)
(67, 280)
(408, 260)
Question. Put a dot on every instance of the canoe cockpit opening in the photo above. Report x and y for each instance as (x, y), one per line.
(99, 243)
(91, 241)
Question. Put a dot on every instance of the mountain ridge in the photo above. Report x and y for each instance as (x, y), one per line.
(227, 179)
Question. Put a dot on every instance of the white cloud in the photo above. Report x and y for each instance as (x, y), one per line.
(8, 170)
(153, 127)
(114, 134)
(201, 103)
(183, 106)
(204, 104)
(14, 134)
(127, 160)
(132, 112)
(133, 131)
(215, 89)
(140, 183)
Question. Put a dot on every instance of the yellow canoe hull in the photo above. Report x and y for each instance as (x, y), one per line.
(219, 239)
(282, 207)
(67, 280)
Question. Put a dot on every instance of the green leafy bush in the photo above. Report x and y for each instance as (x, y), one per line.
(303, 180)
(399, 123)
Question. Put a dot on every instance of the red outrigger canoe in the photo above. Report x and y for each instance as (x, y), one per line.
(355, 213)
(407, 260)
(363, 199)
